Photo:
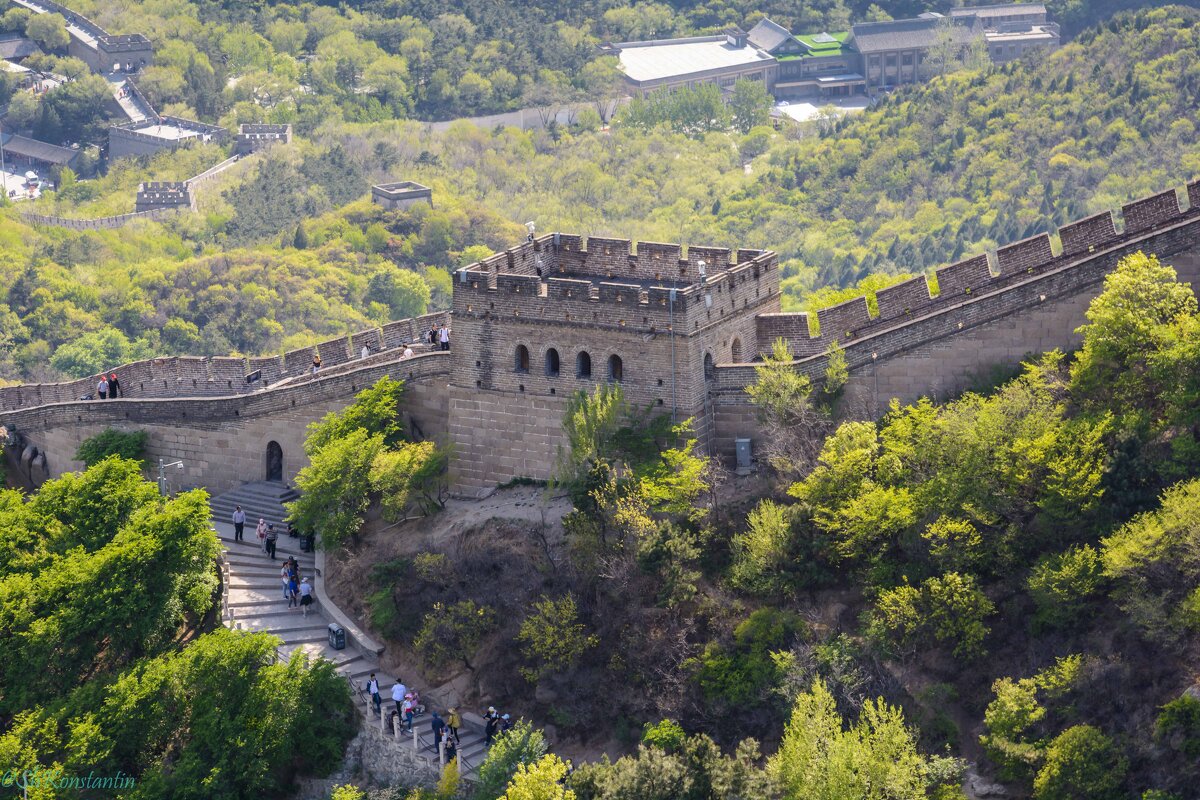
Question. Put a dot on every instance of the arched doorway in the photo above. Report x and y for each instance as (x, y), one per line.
(709, 371)
(735, 351)
(616, 369)
(274, 462)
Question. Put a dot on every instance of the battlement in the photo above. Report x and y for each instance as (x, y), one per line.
(150, 136)
(401, 194)
(153, 195)
(651, 286)
(123, 43)
(251, 138)
(984, 273)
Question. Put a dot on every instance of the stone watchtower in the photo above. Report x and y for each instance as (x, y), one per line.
(557, 315)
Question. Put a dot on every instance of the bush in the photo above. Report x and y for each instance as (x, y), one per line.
(667, 735)
(453, 633)
(1061, 585)
(522, 744)
(1179, 724)
(949, 609)
(112, 442)
(743, 673)
(1081, 764)
(553, 638)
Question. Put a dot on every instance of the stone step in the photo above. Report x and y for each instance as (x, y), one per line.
(296, 622)
(244, 613)
(243, 598)
(266, 584)
(339, 658)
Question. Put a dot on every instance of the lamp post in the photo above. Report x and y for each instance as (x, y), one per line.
(162, 474)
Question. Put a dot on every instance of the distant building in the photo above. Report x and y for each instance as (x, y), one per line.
(155, 195)
(683, 63)
(402, 194)
(164, 133)
(14, 47)
(21, 150)
(869, 57)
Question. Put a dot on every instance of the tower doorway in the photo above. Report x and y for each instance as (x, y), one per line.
(274, 462)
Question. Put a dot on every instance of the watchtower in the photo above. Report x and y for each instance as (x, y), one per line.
(560, 314)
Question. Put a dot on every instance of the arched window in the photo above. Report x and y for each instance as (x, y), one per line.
(583, 365)
(552, 363)
(522, 360)
(708, 367)
(736, 351)
(616, 370)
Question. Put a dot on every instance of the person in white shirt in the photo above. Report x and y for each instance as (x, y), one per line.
(239, 523)
(366, 351)
(305, 595)
(285, 579)
(102, 388)
(373, 690)
(408, 351)
(444, 337)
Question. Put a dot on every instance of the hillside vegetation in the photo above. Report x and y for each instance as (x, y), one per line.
(934, 173)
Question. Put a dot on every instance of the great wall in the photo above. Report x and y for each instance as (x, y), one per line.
(540, 321)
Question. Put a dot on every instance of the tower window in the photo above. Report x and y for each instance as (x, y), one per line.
(552, 363)
(616, 369)
(583, 365)
(521, 362)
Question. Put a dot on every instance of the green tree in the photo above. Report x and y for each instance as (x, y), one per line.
(125, 444)
(541, 780)
(750, 104)
(48, 30)
(1081, 764)
(876, 759)
(793, 428)
(949, 609)
(553, 638)
(1062, 585)
(521, 745)
(97, 352)
(452, 633)
(375, 410)
(335, 487)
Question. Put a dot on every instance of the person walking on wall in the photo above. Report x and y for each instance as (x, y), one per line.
(102, 388)
(398, 692)
(306, 596)
(239, 523)
(438, 726)
(444, 337)
(272, 538)
(261, 530)
(366, 351)
(285, 578)
(114, 387)
(453, 722)
(293, 591)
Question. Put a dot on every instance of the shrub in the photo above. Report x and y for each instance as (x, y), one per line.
(1179, 723)
(667, 735)
(1081, 764)
(553, 638)
(743, 673)
(522, 744)
(112, 442)
(1061, 585)
(453, 633)
(949, 609)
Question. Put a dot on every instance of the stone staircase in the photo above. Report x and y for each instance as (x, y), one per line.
(254, 601)
(261, 500)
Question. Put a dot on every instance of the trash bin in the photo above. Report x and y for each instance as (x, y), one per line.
(337, 636)
(743, 453)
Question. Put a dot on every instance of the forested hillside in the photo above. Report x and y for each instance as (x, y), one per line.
(972, 160)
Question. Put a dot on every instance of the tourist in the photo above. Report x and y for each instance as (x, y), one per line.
(408, 351)
(366, 351)
(373, 690)
(444, 337)
(291, 532)
(114, 387)
(453, 722)
(409, 711)
(102, 388)
(305, 595)
(505, 723)
(261, 530)
(316, 364)
(293, 591)
(492, 722)
(451, 747)
(398, 692)
(432, 337)
(438, 726)
(272, 538)
(285, 577)
(239, 523)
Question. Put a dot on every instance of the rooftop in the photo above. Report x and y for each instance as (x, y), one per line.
(14, 46)
(651, 61)
(37, 150)
(165, 131)
(908, 34)
(824, 44)
(1044, 31)
(999, 10)
(768, 35)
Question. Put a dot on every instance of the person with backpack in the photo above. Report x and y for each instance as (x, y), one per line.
(293, 591)
(453, 722)
(491, 724)
(373, 690)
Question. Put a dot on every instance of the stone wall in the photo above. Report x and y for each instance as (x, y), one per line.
(223, 440)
